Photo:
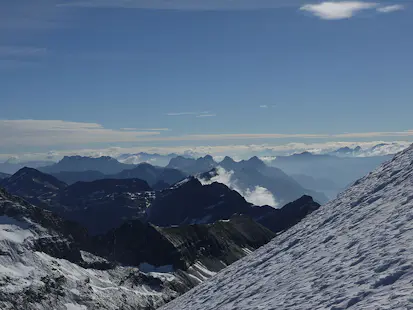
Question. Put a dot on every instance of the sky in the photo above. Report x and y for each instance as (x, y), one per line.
(217, 75)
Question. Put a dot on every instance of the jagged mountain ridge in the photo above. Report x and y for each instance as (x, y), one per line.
(115, 201)
(353, 253)
(191, 202)
(192, 166)
(93, 169)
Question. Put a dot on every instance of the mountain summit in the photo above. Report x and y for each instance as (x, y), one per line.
(354, 252)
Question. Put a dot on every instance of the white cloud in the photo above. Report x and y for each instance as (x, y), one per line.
(145, 129)
(258, 195)
(390, 8)
(263, 106)
(197, 114)
(337, 10)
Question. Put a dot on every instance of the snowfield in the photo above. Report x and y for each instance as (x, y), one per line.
(356, 252)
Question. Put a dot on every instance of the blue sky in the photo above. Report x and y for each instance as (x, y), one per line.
(136, 74)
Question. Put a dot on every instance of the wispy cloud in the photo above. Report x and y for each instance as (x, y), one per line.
(23, 133)
(263, 106)
(197, 114)
(258, 195)
(181, 113)
(406, 133)
(145, 129)
(57, 132)
(21, 56)
(206, 115)
(22, 51)
(337, 10)
(391, 8)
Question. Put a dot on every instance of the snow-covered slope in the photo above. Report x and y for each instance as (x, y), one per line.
(356, 252)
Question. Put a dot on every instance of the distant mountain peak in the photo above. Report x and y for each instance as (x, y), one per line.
(227, 159)
(256, 162)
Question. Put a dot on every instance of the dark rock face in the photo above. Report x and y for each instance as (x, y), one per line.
(4, 175)
(214, 245)
(33, 185)
(135, 242)
(290, 214)
(191, 202)
(217, 243)
(192, 166)
(111, 201)
(72, 235)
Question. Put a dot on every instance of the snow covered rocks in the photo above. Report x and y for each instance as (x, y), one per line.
(41, 267)
(355, 252)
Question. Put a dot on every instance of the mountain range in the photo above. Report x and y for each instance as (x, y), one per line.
(356, 252)
(50, 263)
(351, 252)
(115, 201)
(127, 260)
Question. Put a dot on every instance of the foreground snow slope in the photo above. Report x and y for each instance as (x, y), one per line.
(355, 252)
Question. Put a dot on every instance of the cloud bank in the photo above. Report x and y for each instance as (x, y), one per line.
(259, 196)
(236, 151)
